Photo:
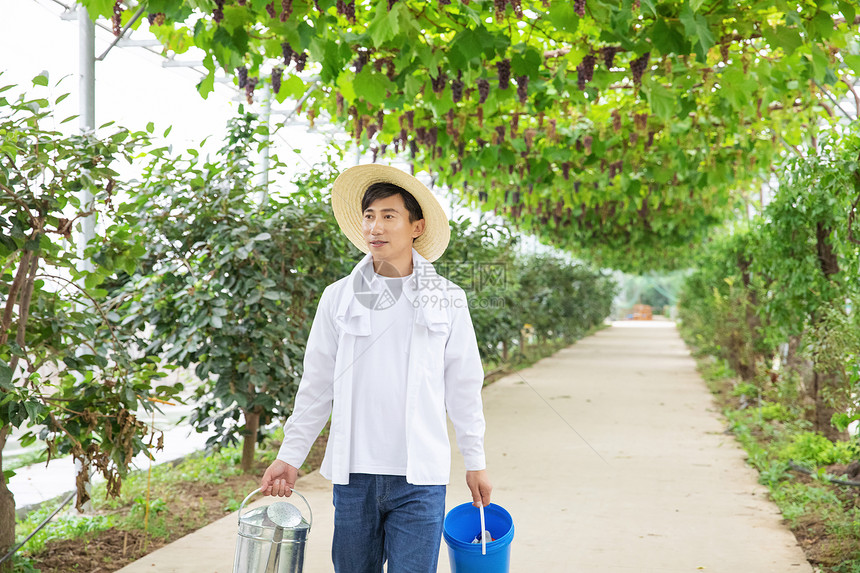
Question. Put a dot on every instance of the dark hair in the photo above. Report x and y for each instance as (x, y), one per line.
(383, 190)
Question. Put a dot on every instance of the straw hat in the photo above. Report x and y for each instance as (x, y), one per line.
(349, 189)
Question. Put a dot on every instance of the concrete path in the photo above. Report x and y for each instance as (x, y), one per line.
(610, 456)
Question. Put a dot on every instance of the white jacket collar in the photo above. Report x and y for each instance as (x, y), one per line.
(426, 291)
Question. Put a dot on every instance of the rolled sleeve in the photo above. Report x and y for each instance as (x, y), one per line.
(464, 379)
(313, 403)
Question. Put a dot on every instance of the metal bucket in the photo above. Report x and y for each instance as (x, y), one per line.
(272, 537)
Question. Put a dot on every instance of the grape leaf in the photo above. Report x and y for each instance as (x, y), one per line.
(852, 62)
(386, 25)
(370, 86)
(847, 9)
(563, 17)
(697, 28)
(661, 99)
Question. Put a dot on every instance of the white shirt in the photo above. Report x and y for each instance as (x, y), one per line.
(444, 375)
(378, 443)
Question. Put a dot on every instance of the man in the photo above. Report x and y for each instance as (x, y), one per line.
(390, 351)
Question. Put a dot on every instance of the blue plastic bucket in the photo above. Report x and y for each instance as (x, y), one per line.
(463, 524)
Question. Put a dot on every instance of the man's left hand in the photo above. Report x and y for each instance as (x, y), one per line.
(480, 486)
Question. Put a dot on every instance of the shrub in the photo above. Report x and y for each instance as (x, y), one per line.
(809, 448)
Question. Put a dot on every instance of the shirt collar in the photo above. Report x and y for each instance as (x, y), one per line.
(354, 317)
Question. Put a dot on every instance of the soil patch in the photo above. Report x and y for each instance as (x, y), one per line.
(191, 506)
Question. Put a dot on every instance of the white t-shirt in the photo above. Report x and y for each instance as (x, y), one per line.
(378, 441)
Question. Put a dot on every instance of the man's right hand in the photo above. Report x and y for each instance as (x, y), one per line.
(279, 479)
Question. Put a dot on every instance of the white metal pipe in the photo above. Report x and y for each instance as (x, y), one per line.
(87, 120)
(263, 196)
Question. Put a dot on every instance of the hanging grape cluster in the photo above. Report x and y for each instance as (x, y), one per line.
(500, 8)
(499, 137)
(155, 18)
(518, 8)
(218, 11)
(361, 60)
(529, 136)
(587, 141)
(270, 9)
(638, 67)
(504, 69)
(250, 84)
(438, 83)
(277, 73)
(523, 88)
(579, 7)
(616, 120)
(483, 89)
(287, 52)
(457, 89)
(301, 61)
(286, 9)
(391, 4)
(346, 9)
(388, 63)
(608, 55)
(242, 75)
(585, 71)
(116, 19)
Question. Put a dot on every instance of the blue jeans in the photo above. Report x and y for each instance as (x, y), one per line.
(379, 518)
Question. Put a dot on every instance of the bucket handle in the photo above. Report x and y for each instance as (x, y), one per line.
(258, 490)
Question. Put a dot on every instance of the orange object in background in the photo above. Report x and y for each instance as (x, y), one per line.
(641, 312)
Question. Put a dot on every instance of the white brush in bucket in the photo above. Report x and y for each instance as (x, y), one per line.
(484, 535)
(483, 531)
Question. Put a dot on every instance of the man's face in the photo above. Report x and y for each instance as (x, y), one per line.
(387, 229)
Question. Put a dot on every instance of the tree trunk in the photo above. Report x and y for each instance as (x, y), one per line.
(252, 426)
(7, 508)
(826, 382)
(748, 353)
(504, 351)
(803, 367)
(824, 410)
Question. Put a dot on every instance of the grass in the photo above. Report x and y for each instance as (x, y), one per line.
(824, 517)
(66, 525)
(26, 458)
